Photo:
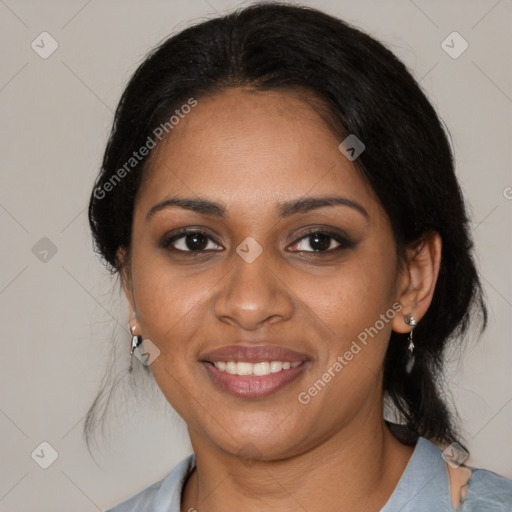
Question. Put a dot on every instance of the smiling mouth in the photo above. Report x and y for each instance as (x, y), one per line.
(253, 371)
(254, 380)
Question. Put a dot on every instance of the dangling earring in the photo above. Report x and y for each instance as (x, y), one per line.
(409, 320)
(136, 341)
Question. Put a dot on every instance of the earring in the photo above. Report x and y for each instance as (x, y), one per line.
(136, 341)
(409, 320)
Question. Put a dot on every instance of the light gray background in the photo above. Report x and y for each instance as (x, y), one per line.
(58, 316)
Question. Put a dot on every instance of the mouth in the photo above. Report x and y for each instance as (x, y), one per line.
(253, 371)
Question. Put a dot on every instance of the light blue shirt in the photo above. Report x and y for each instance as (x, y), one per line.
(423, 487)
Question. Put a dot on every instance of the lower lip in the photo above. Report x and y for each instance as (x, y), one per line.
(255, 386)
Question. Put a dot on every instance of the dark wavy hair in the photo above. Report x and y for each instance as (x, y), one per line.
(365, 90)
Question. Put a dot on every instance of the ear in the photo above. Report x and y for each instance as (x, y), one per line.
(417, 279)
(123, 266)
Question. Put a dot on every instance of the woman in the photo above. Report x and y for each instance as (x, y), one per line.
(279, 199)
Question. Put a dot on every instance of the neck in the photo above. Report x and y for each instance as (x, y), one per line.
(355, 469)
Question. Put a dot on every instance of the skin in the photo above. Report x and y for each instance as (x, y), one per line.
(250, 151)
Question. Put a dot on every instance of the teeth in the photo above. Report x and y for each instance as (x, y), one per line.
(260, 368)
(276, 366)
(257, 369)
(244, 368)
(231, 367)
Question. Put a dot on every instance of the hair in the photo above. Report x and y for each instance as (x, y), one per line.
(366, 91)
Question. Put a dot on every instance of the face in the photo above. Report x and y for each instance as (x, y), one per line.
(259, 267)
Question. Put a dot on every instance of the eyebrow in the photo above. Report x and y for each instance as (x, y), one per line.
(285, 209)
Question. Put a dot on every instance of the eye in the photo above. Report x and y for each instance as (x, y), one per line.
(189, 240)
(322, 242)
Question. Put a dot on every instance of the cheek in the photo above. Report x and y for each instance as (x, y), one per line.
(350, 362)
(352, 297)
(351, 303)
(170, 309)
(169, 306)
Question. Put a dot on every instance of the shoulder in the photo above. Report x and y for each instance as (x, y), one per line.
(162, 496)
(429, 483)
(470, 489)
(487, 492)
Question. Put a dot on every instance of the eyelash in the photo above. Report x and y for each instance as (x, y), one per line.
(344, 241)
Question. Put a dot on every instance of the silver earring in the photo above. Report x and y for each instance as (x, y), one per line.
(409, 320)
(136, 341)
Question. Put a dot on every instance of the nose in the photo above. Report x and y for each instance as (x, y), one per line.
(253, 294)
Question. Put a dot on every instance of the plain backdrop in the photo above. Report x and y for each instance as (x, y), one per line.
(61, 310)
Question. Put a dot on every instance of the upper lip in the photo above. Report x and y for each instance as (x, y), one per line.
(253, 354)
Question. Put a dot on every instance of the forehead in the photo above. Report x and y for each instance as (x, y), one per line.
(248, 148)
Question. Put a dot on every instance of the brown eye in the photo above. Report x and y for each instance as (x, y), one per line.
(321, 242)
(190, 241)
